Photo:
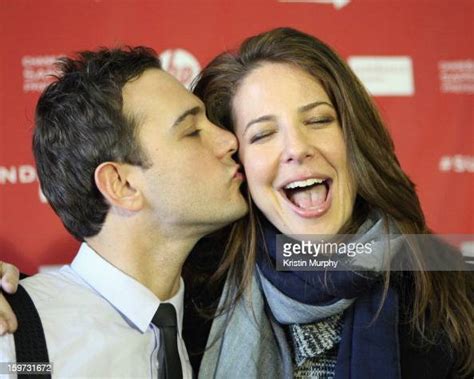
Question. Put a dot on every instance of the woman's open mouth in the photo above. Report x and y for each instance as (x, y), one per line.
(310, 197)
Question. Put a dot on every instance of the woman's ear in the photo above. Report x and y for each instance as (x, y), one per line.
(113, 181)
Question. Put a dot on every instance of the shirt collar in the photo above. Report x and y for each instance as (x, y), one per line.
(132, 299)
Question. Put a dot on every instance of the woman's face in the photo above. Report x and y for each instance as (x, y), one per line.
(293, 150)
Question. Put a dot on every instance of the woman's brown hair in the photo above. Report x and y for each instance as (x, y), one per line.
(439, 301)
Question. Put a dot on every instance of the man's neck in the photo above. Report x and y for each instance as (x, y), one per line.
(155, 262)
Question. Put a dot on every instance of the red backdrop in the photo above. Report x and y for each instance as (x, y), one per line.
(415, 56)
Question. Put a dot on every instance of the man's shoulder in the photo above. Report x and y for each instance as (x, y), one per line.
(419, 357)
(61, 276)
(59, 288)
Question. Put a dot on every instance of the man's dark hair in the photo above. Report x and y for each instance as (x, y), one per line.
(80, 123)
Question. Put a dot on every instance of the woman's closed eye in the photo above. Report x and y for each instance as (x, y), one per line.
(319, 121)
(260, 136)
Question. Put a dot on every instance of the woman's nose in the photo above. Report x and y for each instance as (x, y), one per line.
(296, 146)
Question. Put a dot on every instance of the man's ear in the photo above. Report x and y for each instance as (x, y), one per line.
(112, 180)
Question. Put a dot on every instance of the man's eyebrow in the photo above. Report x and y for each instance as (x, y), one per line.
(190, 112)
(309, 106)
(260, 119)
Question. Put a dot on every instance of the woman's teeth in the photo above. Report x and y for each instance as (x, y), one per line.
(304, 183)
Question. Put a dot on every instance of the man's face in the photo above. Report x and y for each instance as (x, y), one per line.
(193, 181)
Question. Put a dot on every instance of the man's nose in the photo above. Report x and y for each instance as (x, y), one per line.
(224, 142)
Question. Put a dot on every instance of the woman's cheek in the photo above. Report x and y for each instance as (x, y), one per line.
(257, 164)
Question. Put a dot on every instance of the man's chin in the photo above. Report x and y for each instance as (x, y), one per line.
(227, 215)
(241, 211)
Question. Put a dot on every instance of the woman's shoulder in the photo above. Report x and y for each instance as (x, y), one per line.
(420, 358)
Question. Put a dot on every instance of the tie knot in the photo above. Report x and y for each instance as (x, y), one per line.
(165, 316)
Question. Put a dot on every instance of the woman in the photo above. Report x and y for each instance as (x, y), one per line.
(318, 160)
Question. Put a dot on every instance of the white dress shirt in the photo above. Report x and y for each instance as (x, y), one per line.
(97, 321)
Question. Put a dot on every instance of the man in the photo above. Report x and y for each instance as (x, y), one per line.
(130, 163)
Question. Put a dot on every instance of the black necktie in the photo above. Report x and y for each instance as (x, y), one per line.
(165, 319)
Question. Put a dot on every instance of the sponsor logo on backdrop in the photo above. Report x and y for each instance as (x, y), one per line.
(181, 64)
(456, 163)
(338, 4)
(42, 198)
(37, 71)
(456, 76)
(22, 174)
(383, 75)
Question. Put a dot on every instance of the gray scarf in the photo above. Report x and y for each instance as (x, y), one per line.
(248, 341)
